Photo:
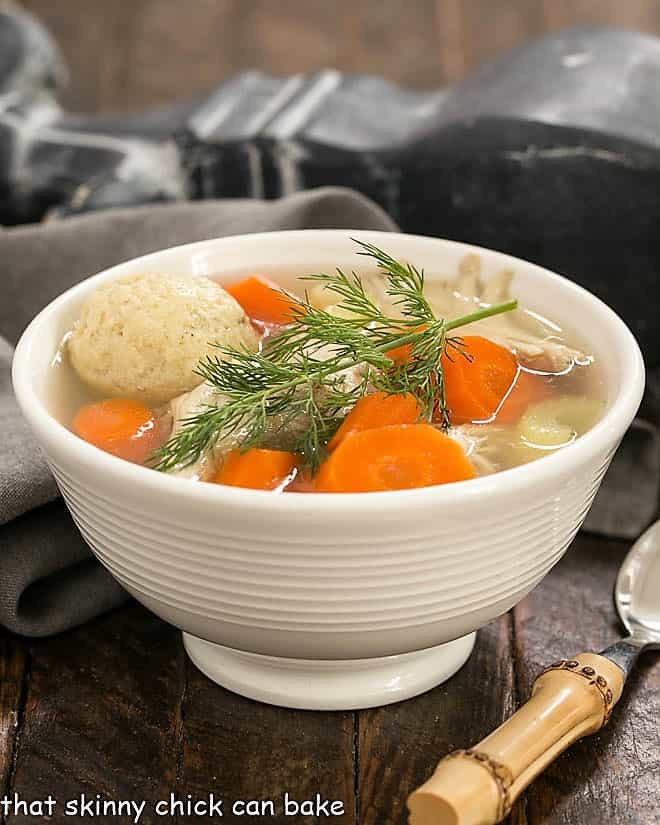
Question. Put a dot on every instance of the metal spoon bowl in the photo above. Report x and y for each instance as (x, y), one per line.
(637, 599)
(637, 591)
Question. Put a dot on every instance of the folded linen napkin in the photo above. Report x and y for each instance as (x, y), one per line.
(49, 581)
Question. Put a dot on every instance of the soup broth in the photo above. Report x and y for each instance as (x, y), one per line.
(510, 388)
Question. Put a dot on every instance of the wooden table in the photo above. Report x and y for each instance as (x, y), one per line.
(136, 53)
(114, 708)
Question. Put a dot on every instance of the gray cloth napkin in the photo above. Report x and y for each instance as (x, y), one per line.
(49, 580)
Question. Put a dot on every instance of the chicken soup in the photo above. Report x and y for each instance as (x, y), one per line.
(380, 380)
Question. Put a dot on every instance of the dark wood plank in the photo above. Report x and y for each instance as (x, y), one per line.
(633, 14)
(244, 750)
(88, 37)
(380, 37)
(222, 38)
(137, 53)
(14, 662)
(399, 745)
(613, 776)
(102, 715)
(176, 51)
(116, 67)
(471, 32)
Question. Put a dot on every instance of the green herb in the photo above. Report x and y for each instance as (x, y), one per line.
(295, 389)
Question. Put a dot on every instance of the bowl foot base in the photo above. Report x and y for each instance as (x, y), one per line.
(328, 685)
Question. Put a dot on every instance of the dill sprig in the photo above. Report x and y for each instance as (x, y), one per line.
(295, 392)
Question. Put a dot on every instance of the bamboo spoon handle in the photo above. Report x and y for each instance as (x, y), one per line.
(570, 699)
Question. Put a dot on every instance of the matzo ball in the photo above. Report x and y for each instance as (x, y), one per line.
(142, 335)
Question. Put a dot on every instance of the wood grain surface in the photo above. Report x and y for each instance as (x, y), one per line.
(14, 673)
(245, 750)
(398, 746)
(114, 708)
(129, 54)
(612, 776)
(102, 714)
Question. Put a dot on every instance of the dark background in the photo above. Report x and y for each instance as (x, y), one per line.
(130, 54)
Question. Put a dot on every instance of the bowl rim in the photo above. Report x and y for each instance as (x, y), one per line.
(605, 433)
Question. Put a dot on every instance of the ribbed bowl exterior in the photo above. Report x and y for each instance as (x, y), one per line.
(370, 587)
(321, 576)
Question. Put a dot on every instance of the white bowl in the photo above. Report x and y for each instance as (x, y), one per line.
(331, 601)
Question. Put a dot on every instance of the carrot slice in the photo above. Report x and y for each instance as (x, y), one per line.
(263, 300)
(396, 457)
(475, 388)
(528, 389)
(257, 468)
(119, 426)
(403, 354)
(377, 410)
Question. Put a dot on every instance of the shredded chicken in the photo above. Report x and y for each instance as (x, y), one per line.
(187, 405)
(476, 447)
(278, 432)
(351, 377)
(534, 341)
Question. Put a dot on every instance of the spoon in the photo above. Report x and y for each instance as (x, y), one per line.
(570, 699)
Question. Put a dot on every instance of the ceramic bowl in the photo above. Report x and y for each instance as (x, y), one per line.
(331, 601)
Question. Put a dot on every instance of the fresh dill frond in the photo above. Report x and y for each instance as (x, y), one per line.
(296, 390)
(405, 285)
(353, 300)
